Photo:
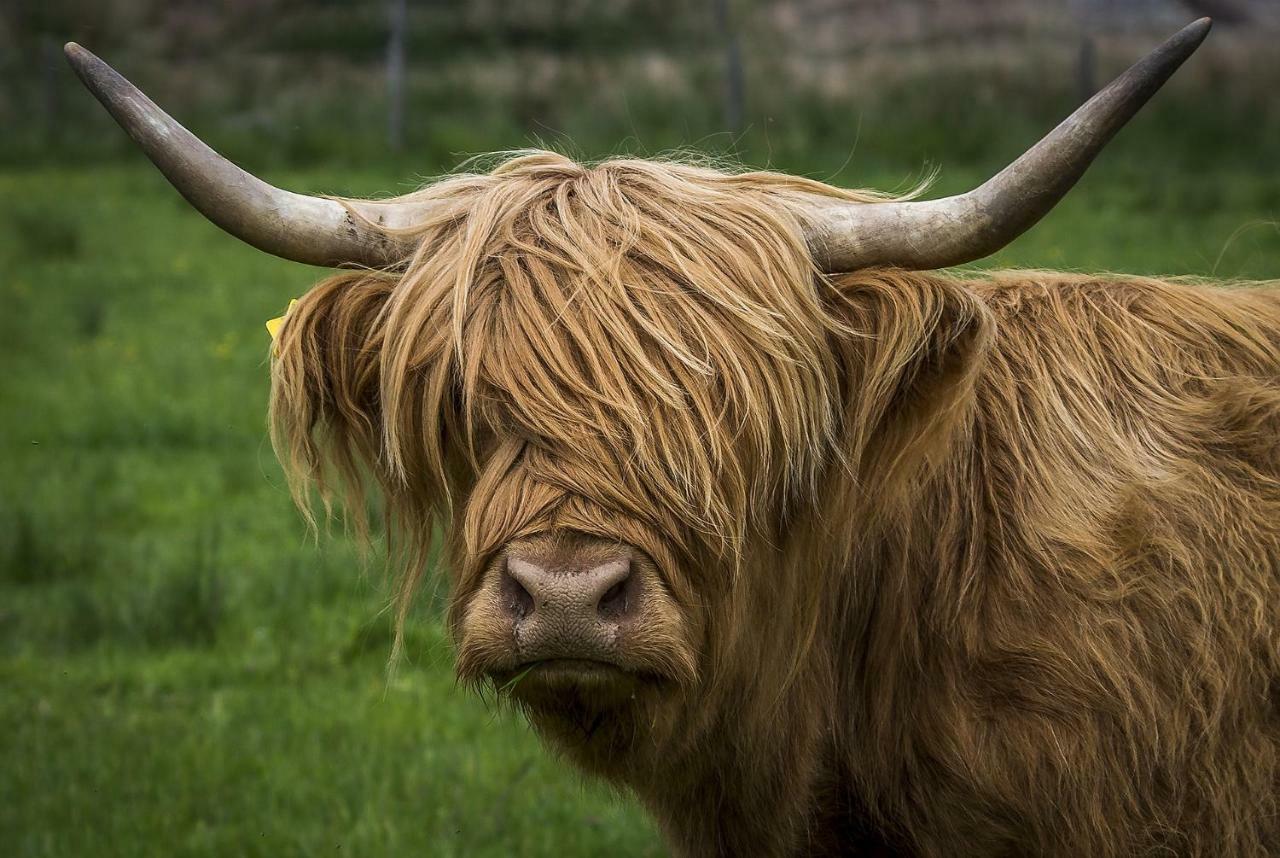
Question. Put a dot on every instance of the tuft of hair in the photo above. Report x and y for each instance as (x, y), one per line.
(630, 341)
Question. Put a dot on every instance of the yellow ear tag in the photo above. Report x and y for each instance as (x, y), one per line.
(274, 325)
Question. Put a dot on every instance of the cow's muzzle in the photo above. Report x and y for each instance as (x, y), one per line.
(570, 605)
(567, 608)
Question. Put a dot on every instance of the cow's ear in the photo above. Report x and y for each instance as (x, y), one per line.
(911, 348)
(324, 381)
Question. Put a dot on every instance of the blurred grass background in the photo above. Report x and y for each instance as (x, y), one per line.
(181, 671)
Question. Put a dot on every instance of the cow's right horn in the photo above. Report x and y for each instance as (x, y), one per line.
(844, 235)
(314, 230)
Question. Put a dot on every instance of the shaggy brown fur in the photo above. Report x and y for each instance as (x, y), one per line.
(985, 566)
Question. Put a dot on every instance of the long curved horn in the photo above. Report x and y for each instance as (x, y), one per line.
(314, 230)
(844, 236)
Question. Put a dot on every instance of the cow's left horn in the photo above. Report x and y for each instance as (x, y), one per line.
(844, 236)
(315, 230)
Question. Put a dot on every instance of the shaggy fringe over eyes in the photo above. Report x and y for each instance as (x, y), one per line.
(646, 340)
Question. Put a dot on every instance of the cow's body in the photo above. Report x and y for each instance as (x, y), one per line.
(1012, 587)
(813, 552)
(1074, 631)
(1063, 640)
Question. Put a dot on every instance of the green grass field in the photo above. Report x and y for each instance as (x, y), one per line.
(182, 672)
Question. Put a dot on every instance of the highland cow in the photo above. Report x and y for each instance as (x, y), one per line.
(813, 551)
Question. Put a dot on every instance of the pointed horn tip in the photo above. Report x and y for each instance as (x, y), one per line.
(1198, 29)
(1186, 41)
(81, 59)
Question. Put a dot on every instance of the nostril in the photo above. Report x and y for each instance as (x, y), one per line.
(613, 604)
(516, 599)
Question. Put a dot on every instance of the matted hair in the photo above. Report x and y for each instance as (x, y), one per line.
(1007, 543)
(651, 338)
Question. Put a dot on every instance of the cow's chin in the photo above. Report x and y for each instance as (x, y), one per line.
(589, 709)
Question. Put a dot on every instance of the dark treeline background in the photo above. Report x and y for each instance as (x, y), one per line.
(795, 83)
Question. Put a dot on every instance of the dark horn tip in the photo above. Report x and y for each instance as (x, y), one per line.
(1199, 28)
(81, 60)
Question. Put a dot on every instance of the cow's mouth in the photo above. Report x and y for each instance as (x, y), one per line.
(557, 683)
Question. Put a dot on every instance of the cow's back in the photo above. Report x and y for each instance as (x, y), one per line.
(1100, 662)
